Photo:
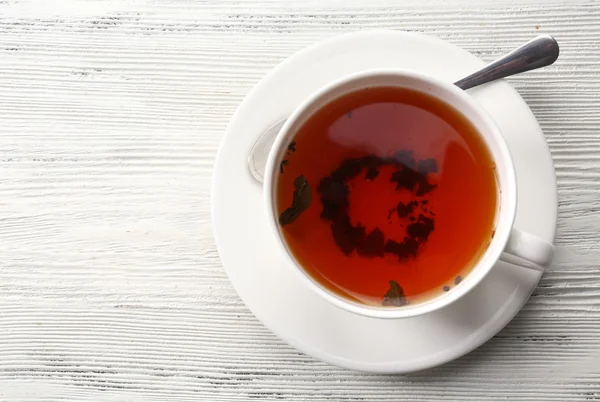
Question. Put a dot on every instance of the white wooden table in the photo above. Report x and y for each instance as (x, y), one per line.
(111, 288)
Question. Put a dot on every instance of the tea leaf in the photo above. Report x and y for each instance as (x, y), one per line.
(334, 193)
(347, 236)
(406, 178)
(372, 173)
(405, 158)
(373, 245)
(404, 209)
(283, 162)
(427, 166)
(421, 229)
(394, 296)
(300, 202)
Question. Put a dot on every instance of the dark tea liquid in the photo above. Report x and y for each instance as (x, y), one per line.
(395, 196)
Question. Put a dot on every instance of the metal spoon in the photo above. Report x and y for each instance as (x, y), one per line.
(538, 52)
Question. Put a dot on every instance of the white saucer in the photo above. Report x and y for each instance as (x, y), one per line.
(302, 318)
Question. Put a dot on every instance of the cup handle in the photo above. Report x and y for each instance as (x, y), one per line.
(536, 253)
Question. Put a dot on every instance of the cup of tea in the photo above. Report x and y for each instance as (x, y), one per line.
(392, 194)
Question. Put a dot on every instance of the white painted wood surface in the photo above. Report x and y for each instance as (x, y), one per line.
(111, 288)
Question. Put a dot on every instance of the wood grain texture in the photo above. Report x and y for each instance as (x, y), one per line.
(111, 288)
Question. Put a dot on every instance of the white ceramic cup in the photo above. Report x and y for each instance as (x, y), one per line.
(508, 243)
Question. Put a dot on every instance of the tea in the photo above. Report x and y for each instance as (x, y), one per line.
(387, 196)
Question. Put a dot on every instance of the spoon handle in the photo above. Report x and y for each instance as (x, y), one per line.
(538, 52)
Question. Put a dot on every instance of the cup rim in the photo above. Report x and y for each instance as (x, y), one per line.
(504, 221)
